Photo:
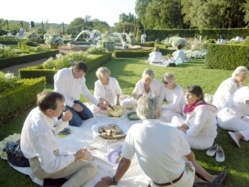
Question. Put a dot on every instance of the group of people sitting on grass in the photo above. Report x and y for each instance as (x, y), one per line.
(192, 122)
(174, 59)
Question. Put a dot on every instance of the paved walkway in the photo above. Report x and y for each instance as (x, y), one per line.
(14, 69)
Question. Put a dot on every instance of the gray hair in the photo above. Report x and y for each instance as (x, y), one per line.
(148, 73)
(103, 72)
(240, 71)
(169, 77)
(148, 107)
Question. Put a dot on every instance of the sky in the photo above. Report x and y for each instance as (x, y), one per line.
(58, 11)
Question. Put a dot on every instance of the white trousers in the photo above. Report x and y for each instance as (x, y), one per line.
(233, 124)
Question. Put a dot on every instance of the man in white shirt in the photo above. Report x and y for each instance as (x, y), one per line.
(162, 152)
(39, 145)
(71, 83)
(143, 38)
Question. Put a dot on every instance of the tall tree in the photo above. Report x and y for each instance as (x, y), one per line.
(213, 13)
(161, 14)
(127, 23)
(246, 10)
(140, 10)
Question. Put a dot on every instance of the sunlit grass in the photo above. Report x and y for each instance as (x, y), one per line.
(128, 72)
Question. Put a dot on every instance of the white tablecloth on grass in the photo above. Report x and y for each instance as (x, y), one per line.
(84, 136)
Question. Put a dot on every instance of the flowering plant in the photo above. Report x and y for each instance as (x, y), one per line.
(7, 81)
(175, 41)
(54, 41)
(6, 51)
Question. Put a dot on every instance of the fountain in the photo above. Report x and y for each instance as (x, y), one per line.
(91, 37)
(121, 40)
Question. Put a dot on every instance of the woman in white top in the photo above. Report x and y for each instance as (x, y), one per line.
(179, 55)
(156, 57)
(106, 89)
(146, 85)
(229, 86)
(234, 115)
(199, 121)
(174, 96)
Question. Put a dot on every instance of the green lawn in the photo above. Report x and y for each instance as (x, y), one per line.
(128, 72)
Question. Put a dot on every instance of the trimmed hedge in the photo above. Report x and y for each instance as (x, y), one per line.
(7, 62)
(20, 98)
(162, 45)
(9, 42)
(38, 71)
(26, 44)
(227, 57)
(153, 35)
(146, 44)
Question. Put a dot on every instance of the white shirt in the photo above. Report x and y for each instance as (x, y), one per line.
(38, 140)
(143, 37)
(71, 88)
(174, 98)
(202, 124)
(160, 149)
(155, 56)
(236, 106)
(108, 92)
(179, 54)
(226, 89)
(155, 88)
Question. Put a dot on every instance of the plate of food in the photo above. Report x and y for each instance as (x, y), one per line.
(108, 131)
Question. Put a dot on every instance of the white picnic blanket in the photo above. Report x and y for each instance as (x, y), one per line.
(85, 135)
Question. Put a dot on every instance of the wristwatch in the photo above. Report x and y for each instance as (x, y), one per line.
(114, 181)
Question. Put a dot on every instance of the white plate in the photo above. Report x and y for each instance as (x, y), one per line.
(123, 126)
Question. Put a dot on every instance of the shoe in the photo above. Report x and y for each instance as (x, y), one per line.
(220, 179)
(212, 150)
(54, 182)
(234, 138)
(220, 156)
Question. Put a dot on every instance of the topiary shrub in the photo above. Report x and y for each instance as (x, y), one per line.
(227, 57)
(19, 98)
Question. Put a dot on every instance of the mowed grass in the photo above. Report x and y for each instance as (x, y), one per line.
(128, 72)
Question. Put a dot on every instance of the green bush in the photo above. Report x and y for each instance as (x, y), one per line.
(25, 44)
(226, 57)
(19, 98)
(162, 45)
(160, 35)
(246, 41)
(7, 62)
(37, 71)
(146, 44)
(96, 50)
(7, 83)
